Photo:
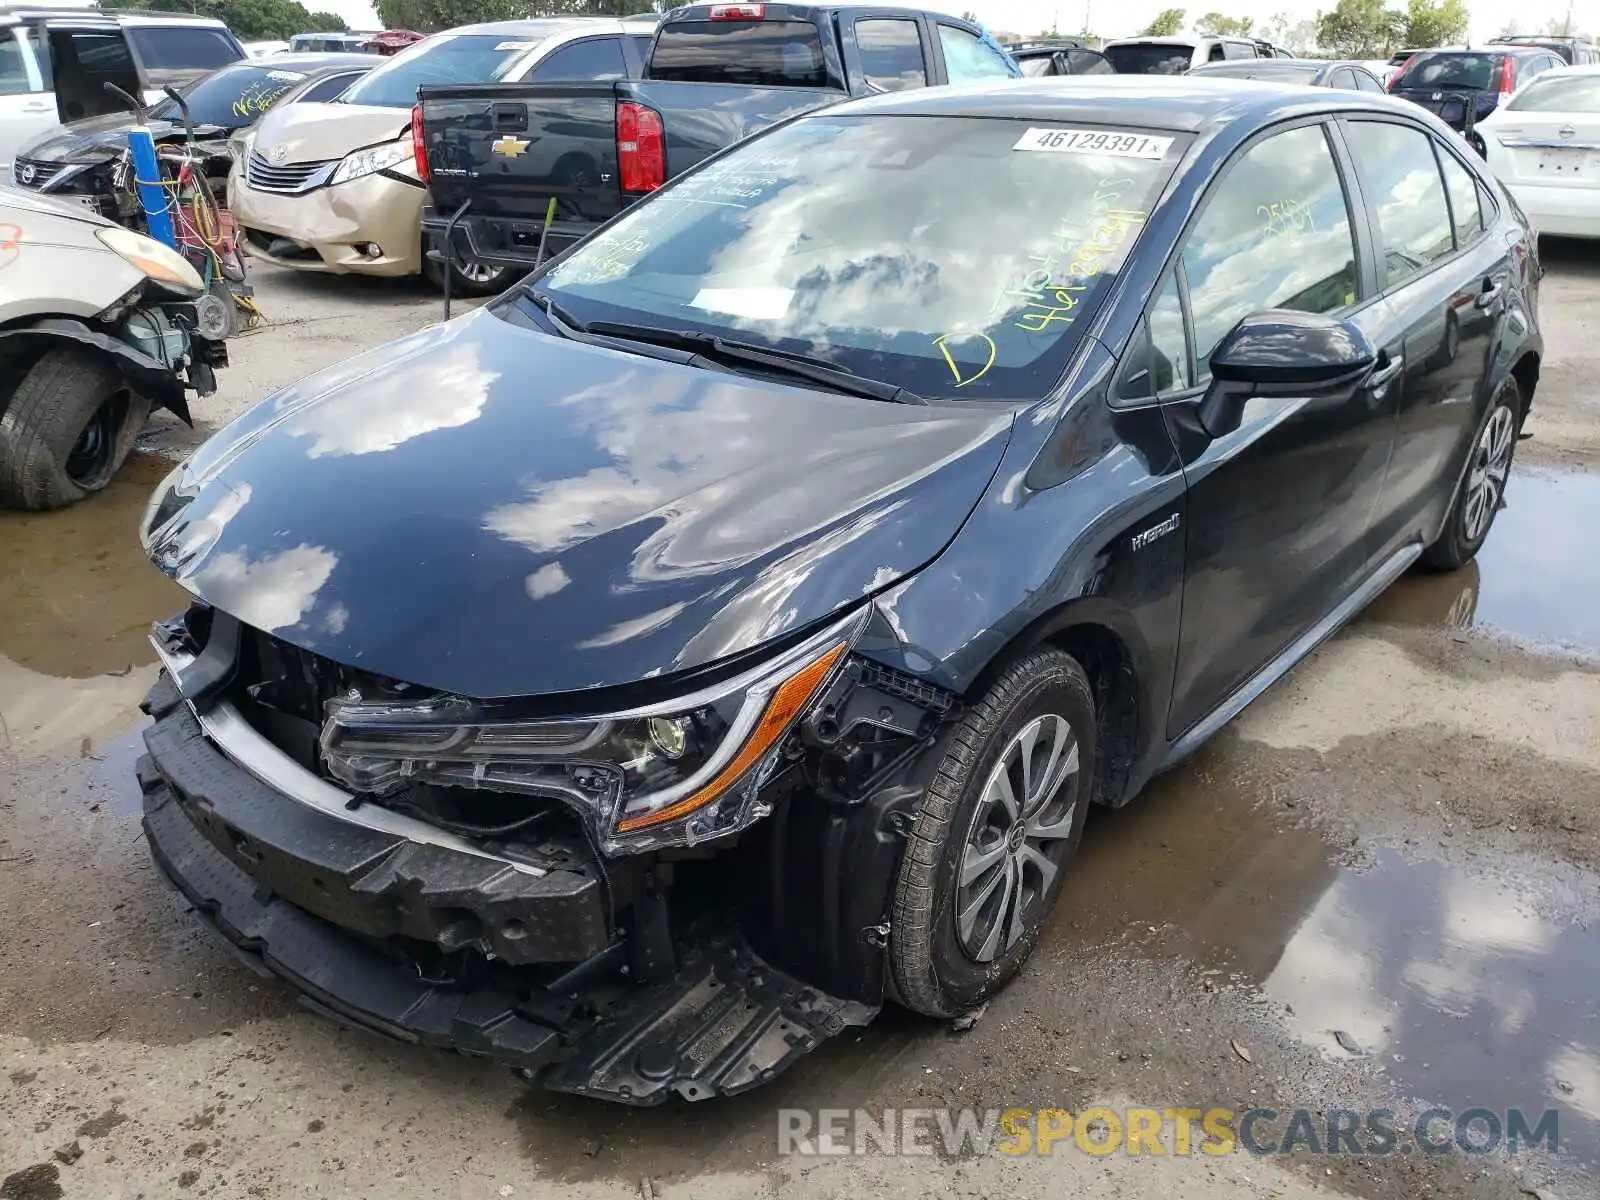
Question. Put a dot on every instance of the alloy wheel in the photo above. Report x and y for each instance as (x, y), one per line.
(478, 272)
(1020, 829)
(1486, 483)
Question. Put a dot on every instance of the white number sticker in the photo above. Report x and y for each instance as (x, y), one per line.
(1093, 141)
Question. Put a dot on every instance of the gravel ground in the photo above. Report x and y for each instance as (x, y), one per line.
(1378, 888)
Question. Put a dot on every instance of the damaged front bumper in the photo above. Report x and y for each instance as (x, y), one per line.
(383, 922)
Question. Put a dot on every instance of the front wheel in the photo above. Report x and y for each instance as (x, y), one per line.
(1000, 822)
(67, 429)
(1481, 492)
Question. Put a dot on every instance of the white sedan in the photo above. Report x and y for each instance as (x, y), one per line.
(1544, 145)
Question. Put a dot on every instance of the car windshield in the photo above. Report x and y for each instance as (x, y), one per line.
(445, 58)
(1558, 91)
(955, 257)
(1150, 58)
(1470, 72)
(233, 96)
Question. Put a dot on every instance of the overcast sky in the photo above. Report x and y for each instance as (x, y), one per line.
(1122, 18)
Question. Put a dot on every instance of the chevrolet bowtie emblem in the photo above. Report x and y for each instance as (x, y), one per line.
(510, 146)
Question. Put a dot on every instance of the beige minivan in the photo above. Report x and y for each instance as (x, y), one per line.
(334, 187)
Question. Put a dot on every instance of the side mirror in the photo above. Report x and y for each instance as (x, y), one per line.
(1282, 353)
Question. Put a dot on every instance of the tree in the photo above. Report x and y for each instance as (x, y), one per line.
(1435, 23)
(1299, 36)
(1215, 24)
(1168, 21)
(430, 16)
(274, 19)
(1360, 29)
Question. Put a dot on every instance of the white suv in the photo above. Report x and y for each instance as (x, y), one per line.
(54, 63)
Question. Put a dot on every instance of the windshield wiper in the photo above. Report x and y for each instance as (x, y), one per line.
(714, 347)
(781, 362)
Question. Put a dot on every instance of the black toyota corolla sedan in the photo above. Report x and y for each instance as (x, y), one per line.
(642, 678)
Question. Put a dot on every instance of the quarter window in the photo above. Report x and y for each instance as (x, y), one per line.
(1463, 192)
(1401, 182)
(1275, 233)
(891, 54)
(1169, 342)
(968, 60)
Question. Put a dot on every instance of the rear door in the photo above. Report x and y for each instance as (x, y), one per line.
(1445, 277)
(888, 49)
(27, 105)
(1279, 509)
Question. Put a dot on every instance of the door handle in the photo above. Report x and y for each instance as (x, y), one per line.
(1386, 370)
(37, 106)
(1491, 292)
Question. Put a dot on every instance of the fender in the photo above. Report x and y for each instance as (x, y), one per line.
(144, 374)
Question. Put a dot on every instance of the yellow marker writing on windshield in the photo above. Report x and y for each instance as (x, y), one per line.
(941, 342)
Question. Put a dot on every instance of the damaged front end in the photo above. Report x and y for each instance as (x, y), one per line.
(680, 896)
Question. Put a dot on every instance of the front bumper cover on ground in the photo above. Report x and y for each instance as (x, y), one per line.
(725, 1020)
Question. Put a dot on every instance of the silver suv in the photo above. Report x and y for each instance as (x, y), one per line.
(55, 63)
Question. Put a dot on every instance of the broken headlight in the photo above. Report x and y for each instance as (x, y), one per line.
(674, 773)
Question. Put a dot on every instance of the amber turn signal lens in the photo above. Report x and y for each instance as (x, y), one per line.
(787, 703)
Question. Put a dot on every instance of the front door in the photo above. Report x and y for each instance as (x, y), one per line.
(1279, 509)
(1446, 279)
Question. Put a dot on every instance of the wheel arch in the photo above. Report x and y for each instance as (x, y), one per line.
(1105, 640)
(30, 341)
(1525, 370)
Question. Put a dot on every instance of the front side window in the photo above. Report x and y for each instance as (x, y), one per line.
(1401, 182)
(442, 59)
(181, 48)
(1087, 62)
(1559, 93)
(854, 239)
(1275, 233)
(891, 54)
(592, 58)
(1367, 82)
(969, 59)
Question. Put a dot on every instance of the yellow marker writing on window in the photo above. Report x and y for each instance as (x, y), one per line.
(942, 341)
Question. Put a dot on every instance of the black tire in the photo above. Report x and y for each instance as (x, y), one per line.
(67, 429)
(934, 968)
(1494, 447)
(491, 281)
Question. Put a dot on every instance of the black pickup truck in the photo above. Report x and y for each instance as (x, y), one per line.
(495, 156)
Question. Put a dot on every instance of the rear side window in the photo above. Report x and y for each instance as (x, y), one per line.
(1366, 82)
(1560, 93)
(1342, 78)
(1037, 65)
(1462, 189)
(891, 54)
(1238, 50)
(760, 53)
(180, 48)
(593, 58)
(968, 59)
(1401, 182)
(1275, 233)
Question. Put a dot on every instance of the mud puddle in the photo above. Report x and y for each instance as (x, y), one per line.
(76, 602)
(1461, 988)
(1536, 580)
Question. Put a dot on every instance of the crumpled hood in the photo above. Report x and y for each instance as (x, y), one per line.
(320, 132)
(493, 511)
(92, 139)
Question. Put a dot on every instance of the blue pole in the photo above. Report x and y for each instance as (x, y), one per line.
(147, 174)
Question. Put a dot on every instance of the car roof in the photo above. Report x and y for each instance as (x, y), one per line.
(311, 63)
(112, 16)
(1285, 66)
(551, 26)
(1176, 103)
